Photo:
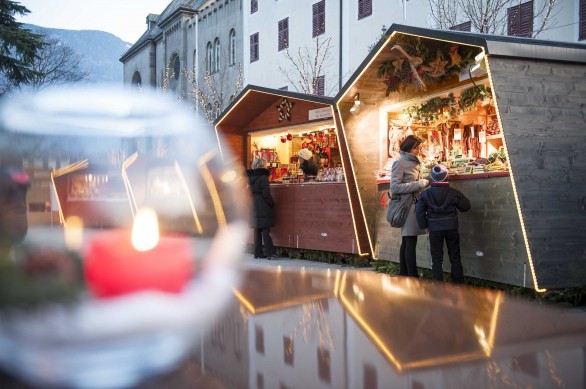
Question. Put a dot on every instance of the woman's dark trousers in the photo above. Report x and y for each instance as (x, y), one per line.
(263, 235)
(407, 259)
(436, 244)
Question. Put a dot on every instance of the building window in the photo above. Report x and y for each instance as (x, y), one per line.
(370, 377)
(176, 67)
(288, 350)
(194, 60)
(254, 47)
(520, 20)
(232, 55)
(319, 18)
(364, 8)
(582, 22)
(324, 365)
(283, 34)
(259, 339)
(209, 58)
(136, 80)
(319, 86)
(462, 27)
(253, 6)
(216, 54)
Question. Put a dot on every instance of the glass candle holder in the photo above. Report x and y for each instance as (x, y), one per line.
(124, 228)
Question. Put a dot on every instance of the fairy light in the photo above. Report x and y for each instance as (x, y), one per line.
(515, 193)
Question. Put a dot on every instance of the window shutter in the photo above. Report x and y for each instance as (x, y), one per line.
(520, 20)
(364, 8)
(526, 27)
(319, 85)
(513, 20)
(582, 21)
(254, 47)
(283, 34)
(462, 26)
(319, 18)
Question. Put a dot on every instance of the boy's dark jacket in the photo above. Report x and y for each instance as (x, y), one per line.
(437, 207)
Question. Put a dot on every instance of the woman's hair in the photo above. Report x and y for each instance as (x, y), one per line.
(258, 163)
(409, 143)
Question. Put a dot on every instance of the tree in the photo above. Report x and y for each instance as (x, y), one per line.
(307, 66)
(212, 92)
(488, 16)
(56, 64)
(18, 46)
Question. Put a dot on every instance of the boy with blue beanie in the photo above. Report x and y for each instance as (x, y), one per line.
(437, 213)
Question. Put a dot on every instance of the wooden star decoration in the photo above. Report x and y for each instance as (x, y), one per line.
(455, 58)
(438, 67)
(398, 64)
(284, 109)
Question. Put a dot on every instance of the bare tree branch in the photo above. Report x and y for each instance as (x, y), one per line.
(303, 69)
(489, 16)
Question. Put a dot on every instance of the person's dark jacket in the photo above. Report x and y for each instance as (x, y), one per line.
(437, 207)
(309, 168)
(262, 201)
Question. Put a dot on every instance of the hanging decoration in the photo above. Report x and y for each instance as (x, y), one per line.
(284, 109)
(423, 61)
(437, 108)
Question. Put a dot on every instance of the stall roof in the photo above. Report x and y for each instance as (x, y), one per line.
(493, 45)
(254, 99)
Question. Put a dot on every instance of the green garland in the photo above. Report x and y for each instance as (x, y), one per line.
(433, 110)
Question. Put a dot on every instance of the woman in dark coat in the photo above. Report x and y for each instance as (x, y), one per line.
(405, 180)
(261, 218)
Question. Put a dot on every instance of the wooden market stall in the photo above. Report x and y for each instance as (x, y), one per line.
(507, 116)
(276, 124)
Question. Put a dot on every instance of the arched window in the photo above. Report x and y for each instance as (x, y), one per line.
(136, 81)
(176, 66)
(209, 58)
(217, 54)
(232, 48)
(174, 72)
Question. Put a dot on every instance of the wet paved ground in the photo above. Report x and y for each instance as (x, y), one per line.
(286, 262)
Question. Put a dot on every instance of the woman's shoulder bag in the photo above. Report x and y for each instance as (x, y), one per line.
(398, 208)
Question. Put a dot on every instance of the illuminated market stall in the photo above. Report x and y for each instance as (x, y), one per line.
(316, 214)
(506, 115)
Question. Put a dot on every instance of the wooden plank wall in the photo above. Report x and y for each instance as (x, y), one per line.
(542, 106)
(491, 241)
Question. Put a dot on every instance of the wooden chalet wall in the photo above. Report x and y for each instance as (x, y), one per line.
(542, 106)
(492, 245)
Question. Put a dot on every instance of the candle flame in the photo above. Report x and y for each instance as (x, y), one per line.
(73, 232)
(145, 230)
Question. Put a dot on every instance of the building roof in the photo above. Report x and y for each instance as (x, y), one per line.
(169, 12)
(259, 99)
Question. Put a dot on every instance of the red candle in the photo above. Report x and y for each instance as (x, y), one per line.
(113, 266)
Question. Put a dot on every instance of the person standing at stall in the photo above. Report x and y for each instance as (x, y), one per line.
(405, 179)
(261, 218)
(437, 213)
(306, 163)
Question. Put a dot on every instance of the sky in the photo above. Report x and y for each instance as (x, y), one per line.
(124, 18)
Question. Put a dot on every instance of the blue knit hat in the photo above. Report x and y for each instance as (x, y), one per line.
(439, 173)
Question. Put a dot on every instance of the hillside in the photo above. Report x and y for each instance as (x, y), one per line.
(101, 51)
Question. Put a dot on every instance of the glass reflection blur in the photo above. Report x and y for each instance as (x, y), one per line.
(77, 290)
(365, 330)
